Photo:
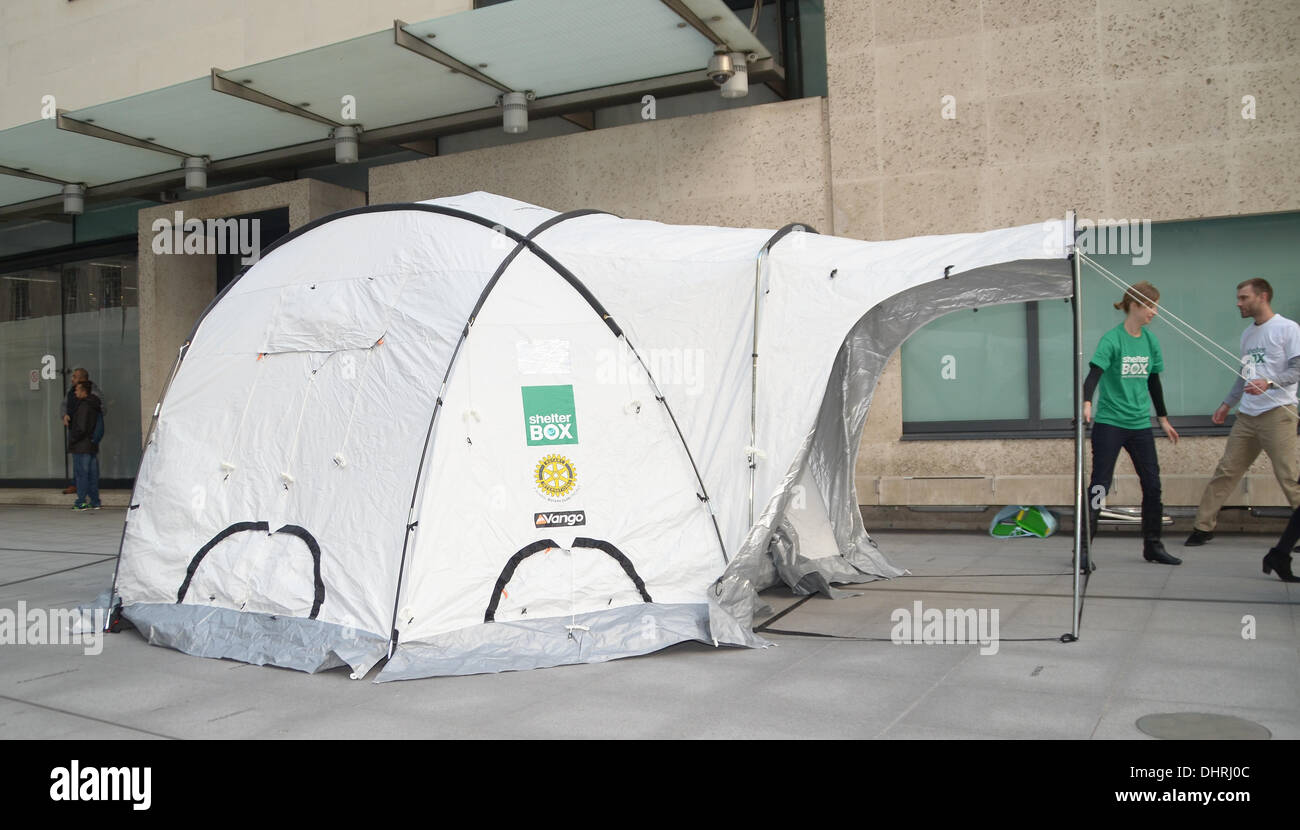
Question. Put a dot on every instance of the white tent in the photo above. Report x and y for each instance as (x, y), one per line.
(474, 435)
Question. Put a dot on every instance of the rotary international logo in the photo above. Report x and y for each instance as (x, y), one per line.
(556, 477)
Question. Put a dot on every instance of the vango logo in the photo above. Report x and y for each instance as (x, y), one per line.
(571, 518)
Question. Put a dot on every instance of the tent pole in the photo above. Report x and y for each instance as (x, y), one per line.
(1080, 508)
(753, 381)
(753, 370)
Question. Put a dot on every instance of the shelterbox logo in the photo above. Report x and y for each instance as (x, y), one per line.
(549, 416)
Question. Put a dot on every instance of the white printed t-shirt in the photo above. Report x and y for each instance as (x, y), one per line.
(1265, 351)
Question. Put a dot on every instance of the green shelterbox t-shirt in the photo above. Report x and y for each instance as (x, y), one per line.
(1126, 363)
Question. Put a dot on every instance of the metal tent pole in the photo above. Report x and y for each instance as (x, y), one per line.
(1080, 508)
(752, 452)
(753, 379)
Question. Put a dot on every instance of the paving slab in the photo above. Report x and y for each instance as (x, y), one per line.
(1153, 639)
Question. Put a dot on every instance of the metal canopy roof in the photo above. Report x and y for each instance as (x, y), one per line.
(14, 189)
(195, 119)
(41, 148)
(414, 81)
(390, 85)
(610, 43)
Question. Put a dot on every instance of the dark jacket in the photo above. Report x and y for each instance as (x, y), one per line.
(70, 401)
(81, 431)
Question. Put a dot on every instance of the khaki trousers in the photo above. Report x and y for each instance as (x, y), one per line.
(1274, 432)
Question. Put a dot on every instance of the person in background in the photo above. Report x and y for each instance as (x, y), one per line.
(85, 450)
(1266, 420)
(1278, 557)
(69, 407)
(1126, 369)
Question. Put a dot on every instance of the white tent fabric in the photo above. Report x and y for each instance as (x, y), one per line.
(410, 431)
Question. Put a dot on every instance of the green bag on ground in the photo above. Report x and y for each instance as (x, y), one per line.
(1017, 520)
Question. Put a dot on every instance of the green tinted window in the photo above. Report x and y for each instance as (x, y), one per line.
(968, 366)
(1196, 265)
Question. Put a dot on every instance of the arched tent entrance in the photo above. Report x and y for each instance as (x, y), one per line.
(815, 507)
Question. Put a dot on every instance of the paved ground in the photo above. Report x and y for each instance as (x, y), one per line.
(1154, 639)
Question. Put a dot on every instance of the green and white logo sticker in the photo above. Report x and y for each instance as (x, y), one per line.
(549, 416)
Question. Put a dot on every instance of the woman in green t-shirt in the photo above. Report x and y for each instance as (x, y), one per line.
(1126, 368)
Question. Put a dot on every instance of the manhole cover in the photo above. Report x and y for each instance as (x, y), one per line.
(1201, 726)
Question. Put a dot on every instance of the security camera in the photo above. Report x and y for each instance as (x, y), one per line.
(720, 68)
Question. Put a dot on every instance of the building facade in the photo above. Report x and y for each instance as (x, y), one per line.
(864, 118)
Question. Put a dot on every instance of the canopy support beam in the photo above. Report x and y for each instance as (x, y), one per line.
(408, 41)
(225, 86)
(27, 174)
(85, 128)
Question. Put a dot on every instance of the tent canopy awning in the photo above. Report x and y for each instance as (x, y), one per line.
(413, 81)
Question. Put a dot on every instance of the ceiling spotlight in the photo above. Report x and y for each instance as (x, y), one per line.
(515, 111)
(737, 86)
(720, 68)
(74, 198)
(345, 144)
(196, 173)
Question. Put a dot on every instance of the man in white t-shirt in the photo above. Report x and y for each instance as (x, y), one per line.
(1266, 420)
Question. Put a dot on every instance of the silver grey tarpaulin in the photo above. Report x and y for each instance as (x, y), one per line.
(260, 639)
(553, 641)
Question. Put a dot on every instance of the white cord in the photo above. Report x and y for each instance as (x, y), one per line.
(1166, 313)
(1234, 368)
(297, 431)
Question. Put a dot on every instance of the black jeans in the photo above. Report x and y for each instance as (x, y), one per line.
(1291, 535)
(1107, 441)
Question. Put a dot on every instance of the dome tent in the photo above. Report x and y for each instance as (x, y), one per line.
(475, 435)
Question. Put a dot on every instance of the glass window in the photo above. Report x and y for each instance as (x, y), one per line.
(103, 337)
(31, 334)
(53, 319)
(1195, 264)
(969, 365)
(1056, 349)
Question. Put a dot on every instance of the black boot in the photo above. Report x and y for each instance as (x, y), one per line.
(1280, 561)
(1154, 551)
(1085, 561)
